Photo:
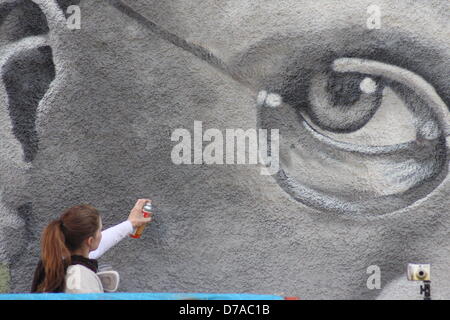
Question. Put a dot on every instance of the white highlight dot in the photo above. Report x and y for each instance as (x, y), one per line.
(368, 85)
(262, 95)
(273, 100)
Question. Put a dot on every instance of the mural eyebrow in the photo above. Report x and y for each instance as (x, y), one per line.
(197, 50)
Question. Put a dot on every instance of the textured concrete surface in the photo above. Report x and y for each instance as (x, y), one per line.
(87, 115)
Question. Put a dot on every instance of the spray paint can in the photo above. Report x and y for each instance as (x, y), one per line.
(146, 210)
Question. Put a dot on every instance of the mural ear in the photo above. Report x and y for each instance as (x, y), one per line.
(26, 69)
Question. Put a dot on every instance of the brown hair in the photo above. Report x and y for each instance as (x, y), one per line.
(60, 238)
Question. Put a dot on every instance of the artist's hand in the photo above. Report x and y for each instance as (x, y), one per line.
(136, 217)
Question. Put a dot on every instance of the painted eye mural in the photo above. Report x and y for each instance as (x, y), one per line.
(362, 114)
(370, 133)
(358, 136)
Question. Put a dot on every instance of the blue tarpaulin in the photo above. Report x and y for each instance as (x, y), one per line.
(138, 296)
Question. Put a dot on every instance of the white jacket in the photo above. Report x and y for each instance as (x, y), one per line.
(80, 279)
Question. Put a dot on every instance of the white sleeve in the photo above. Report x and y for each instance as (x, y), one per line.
(110, 237)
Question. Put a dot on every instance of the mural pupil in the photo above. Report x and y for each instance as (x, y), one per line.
(344, 89)
(343, 102)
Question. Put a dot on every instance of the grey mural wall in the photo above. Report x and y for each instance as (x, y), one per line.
(104, 102)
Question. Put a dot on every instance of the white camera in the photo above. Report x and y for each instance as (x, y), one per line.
(418, 272)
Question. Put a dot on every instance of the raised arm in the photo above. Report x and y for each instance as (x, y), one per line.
(111, 236)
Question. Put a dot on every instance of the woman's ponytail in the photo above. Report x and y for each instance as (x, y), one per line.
(55, 257)
(60, 239)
